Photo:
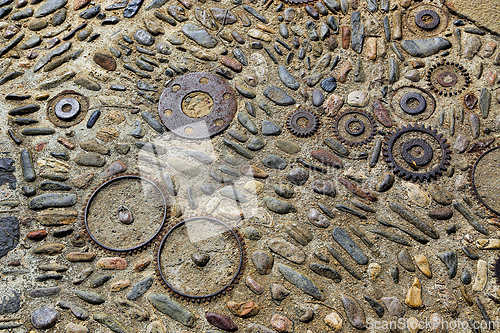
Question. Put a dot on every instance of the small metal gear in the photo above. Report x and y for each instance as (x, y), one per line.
(111, 217)
(235, 277)
(485, 181)
(413, 153)
(293, 125)
(354, 128)
(447, 78)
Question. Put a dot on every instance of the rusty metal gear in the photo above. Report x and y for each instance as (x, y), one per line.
(295, 127)
(202, 91)
(354, 127)
(67, 108)
(447, 78)
(413, 152)
(484, 179)
(235, 277)
(141, 216)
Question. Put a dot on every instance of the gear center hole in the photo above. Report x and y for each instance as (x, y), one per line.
(447, 78)
(413, 103)
(303, 122)
(66, 108)
(197, 104)
(355, 126)
(417, 152)
(427, 18)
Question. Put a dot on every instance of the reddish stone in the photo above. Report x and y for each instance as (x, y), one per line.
(221, 321)
(346, 36)
(105, 61)
(382, 113)
(365, 194)
(37, 235)
(470, 101)
(77, 4)
(326, 158)
(112, 263)
(231, 63)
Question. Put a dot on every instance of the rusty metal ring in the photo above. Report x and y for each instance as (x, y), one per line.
(422, 104)
(143, 244)
(219, 118)
(442, 76)
(475, 187)
(427, 26)
(357, 132)
(409, 145)
(208, 297)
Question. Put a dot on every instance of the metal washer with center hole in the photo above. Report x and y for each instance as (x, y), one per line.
(424, 25)
(361, 134)
(208, 297)
(67, 108)
(219, 118)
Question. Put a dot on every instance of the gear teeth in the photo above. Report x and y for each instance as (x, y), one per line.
(202, 299)
(137, 249)
(302, 132)
(391, 139)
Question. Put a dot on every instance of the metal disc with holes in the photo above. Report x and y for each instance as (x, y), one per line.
(67, 109)
(485, 179)
(197, 105)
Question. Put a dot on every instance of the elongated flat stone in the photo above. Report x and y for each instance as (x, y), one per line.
(325, 271)
(46, 58)
(287, 78)
(287, 250)
(49, 6)
(112, 323)
(279, 96)
(354, 312)
(394, 306)
(349, 246)
(52, 200)
(344, 263)
(199, 35)
(425, 47)
(171, 308)
(301, 281)
(410, 217)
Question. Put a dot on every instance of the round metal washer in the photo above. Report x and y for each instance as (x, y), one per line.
(145, 243)
(422, 104)
(427, 154)
(427, 26)
(65, 121)
(228, 286)
(447, 74)
(359, 131)
(170, 106)
(71, 113)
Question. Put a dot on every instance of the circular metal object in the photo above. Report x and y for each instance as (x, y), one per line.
(404, 104)
(447, 78)
(354, 127)
(423, 149)
(74, 108)
(78, 107)
(312, 125)
(422, 104)
(423, 167)
(297, 2)
(419, 19)
(228, 286)
(485, 179)
(425, 20)
(126, 234)
(171, 112)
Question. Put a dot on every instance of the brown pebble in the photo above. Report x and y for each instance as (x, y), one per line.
(231, 63)
(80, 256)
(326, 158)
(105, 61)
(37, 235)
(112, 263)
(254, 285)
(444, 213)
(66, 143)
(221, 321)
(243, 309)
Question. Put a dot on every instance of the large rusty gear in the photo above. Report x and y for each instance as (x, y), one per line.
(95, 237)
(484, 176)
(354, 127)
(447, 78)
(417, 152)
(242, 259)
(293, 125)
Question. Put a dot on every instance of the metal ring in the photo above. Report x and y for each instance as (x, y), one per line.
(427, 26)
(71, 113)
(233, 280)
(444, 74)
(92, 196)
(422, 104)
(473, 181)
(350, 131)
(419, 161)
